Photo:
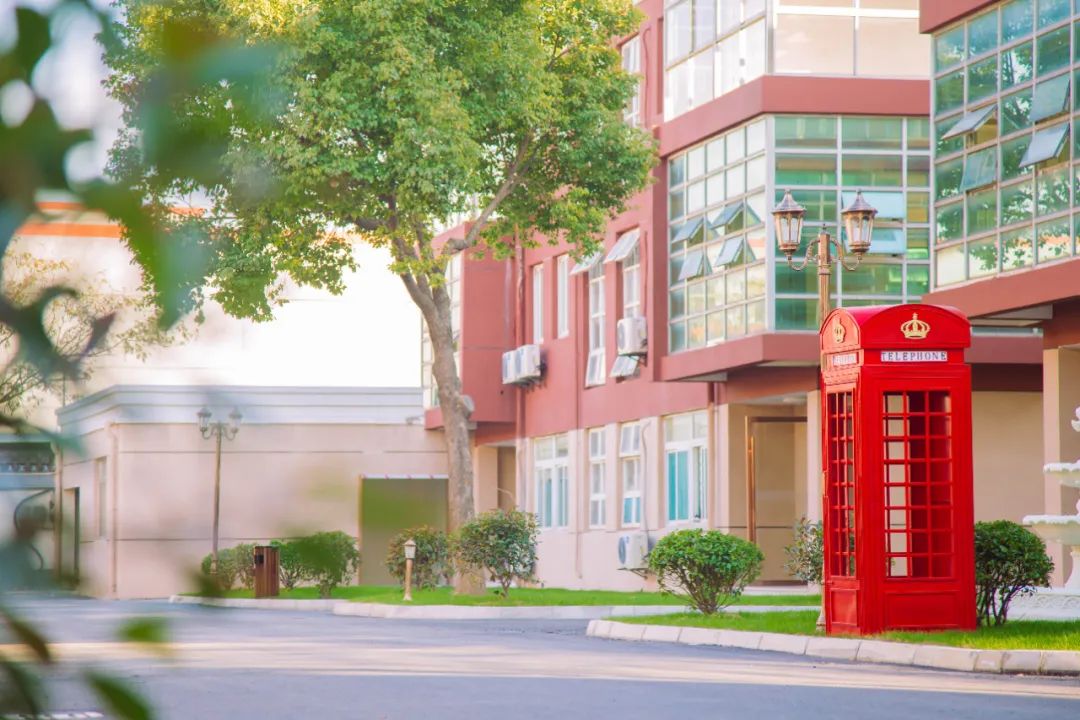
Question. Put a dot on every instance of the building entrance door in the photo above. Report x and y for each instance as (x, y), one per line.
(773, 458)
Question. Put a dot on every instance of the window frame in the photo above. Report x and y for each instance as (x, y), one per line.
(562, 296)
(596, 370)
(552, 472)
(630, 457)
(538, 303)
(597, 455)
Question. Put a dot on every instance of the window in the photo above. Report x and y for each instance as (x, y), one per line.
(631, 285)
(1046, 144)
(707, 54)
(595, 370)
(631, 63)
(552, 475)
(101, 486)
(597, 478)
(562, 295)
(686, 466)
(872, 39)
(538, 303)
(630, 467)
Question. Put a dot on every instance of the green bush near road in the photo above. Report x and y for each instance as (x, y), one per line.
(501, 543)
(710, 567)
(235, 564)
(291, 570)
(329, 559)
(1010, 562)
(432, 565)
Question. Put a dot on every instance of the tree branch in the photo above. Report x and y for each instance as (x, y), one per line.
(512, 178)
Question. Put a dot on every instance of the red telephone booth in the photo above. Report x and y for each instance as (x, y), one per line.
(898, 515)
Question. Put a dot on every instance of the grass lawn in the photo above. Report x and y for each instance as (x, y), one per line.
(1014, 635)
(391, 595)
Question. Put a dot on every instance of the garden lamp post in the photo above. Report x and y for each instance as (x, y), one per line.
(217, 430)
(858, 221)
(410, 555)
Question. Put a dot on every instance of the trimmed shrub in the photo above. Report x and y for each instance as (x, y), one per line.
(228, 570)
(329, 558)
(806, 556)
(502, 543)
(243, 559)
(710, 567)
(432, 565)
(1010, 562)
(291, 570)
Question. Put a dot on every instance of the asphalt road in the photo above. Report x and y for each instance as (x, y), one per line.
(241, 664)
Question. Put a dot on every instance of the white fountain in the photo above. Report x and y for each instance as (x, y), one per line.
(1064, 529)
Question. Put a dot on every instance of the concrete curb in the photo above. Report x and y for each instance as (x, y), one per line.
(457, 612)
(940, 657)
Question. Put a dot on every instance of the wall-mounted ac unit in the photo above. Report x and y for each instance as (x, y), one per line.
(633, 549)
(631, 336)
(529, 364)
(509, 367)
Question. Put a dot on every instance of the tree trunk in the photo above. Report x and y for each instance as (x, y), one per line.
(455, 416)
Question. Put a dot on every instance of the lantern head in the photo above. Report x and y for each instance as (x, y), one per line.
(788, 216)
(204, 419)
(410, 549)
(859, 224)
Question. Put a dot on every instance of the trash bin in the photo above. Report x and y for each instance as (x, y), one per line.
(266, 571)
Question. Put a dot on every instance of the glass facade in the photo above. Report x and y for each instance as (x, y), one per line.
(710, 47)
(723, 279)
(1006, 139)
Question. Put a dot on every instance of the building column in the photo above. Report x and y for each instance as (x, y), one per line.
(814, 487)
(1061, 397)
(721, 465)
(485, 478)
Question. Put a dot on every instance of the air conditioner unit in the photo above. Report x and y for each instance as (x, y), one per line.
(529, 365)
(631, 336)
(633, 549)
(510, 367)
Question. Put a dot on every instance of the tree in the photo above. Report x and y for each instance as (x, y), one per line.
(69, 321)
(390, 116)
(501, 542)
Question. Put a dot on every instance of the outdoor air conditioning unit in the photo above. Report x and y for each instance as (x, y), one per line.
(633, 548)
(631, 336)
(529, 366)
(510, 367)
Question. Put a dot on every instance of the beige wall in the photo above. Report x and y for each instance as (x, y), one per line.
(1061, 398)
(277, 481)
(1006, 443)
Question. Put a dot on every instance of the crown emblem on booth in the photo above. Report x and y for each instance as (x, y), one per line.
(915, 329)
(838, 331)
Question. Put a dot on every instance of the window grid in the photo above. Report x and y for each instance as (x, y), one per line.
(551, 472)
(538, 303)
(631, 468)
(708, 53)
(562, 296)
(823, 160)
(595, 370)
(918, 484)
(841, 482)
(725, 296)
(631, 63)
(1022, 218)
(686, 464)
(597, 479)
(631, 284)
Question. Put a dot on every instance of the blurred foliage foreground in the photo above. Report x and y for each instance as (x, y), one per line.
(35, 152)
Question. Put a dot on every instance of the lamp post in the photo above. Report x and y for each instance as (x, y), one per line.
(410, 555)
(858, 221)
(217, 430)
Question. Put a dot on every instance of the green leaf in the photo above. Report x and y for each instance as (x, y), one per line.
(151, 631)
(118, 696)
(28, 636)
(24, 692)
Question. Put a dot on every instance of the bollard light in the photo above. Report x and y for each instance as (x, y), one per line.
(410, 555)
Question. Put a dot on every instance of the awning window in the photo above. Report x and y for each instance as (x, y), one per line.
(1050, 98)
(693, 266)
(687, 231)
(623, 247)
(625, 366)
(1046, 144)
(587, 264)
(970, 122)
(727, 253)
(979, 169)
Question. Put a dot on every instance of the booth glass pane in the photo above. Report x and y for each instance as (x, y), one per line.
(841, 490)
(917, 477)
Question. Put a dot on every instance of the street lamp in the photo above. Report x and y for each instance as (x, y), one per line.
(410, 555)
(217, 430)
(858, 221)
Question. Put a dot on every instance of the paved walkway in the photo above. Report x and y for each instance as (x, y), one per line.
(240, 664)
